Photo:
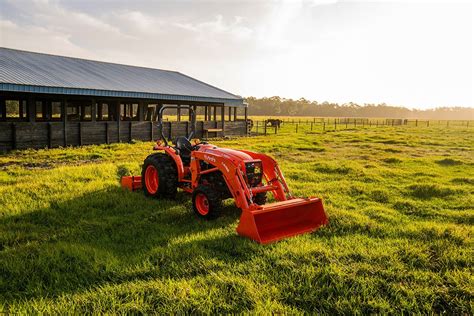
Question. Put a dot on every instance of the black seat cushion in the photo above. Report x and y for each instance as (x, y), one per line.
(184, 146)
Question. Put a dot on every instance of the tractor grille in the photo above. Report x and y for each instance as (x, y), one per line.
(254, 172)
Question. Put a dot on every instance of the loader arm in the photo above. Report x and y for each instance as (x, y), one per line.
(273, 175)
(231, 171)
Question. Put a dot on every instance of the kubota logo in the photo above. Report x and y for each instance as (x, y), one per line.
(210, 158)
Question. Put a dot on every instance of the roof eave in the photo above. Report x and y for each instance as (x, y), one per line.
(11, 87)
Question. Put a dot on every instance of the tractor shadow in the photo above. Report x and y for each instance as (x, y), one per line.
(112, 236)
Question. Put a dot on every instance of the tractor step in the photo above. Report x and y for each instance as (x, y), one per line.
(131, 183)
(275, 221)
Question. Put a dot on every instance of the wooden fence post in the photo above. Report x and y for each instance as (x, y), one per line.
(151, 131)
(296, 127)
(107, 141)
(50, 142)
(80, 134)
(311, 126)
(14, 143)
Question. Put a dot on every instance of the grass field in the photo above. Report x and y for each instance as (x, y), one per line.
(400, 238)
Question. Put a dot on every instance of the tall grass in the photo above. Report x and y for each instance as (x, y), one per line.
(400, 203)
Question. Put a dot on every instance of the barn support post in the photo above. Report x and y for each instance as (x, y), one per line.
(3, 109)
(235, 113)
(223, 119)
(64, 114)
(130, 110)
(31, 109)
(195, 112)
(117, 110)
(215, 112)
(100, 110)
(178, 114)
(141, 110)
(93, 110)
(230, 113)
(205, 113)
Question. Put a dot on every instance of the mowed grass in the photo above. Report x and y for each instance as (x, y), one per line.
(400, 238)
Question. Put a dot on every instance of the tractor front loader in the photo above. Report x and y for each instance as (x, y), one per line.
(212, 174)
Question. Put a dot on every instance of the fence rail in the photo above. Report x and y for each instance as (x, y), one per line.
(262, 126)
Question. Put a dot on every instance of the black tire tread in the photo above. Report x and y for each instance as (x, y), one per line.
(167, 174)
(215, 201)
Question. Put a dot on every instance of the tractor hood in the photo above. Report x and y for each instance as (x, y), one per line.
(235, 155)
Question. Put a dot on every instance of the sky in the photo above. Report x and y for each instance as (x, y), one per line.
(406, 53)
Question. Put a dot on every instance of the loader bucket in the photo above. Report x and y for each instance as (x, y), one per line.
(283, 219)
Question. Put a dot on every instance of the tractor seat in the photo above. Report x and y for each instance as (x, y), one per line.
(184, 146)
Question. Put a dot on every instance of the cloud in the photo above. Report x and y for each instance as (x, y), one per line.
(35, 38)
(217, 28)
(321, 49)
(314, 3)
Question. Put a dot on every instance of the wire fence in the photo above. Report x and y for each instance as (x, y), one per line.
(262, 126)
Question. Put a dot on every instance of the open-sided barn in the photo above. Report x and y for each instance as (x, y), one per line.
(49, 101)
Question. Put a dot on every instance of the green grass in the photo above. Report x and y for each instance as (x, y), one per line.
(400, 238)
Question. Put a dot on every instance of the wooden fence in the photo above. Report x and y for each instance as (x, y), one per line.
(22, 135)
(265, 127)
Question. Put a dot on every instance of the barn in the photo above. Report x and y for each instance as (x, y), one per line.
(51, 101)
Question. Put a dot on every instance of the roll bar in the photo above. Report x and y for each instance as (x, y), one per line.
(160, 120)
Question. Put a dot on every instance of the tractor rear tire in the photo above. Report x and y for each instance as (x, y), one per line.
(159, 176)
(206, 202)
(260, 198)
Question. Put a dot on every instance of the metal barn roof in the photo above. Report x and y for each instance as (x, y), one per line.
(23, 71)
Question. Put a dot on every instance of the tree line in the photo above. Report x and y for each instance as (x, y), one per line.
(277, 106)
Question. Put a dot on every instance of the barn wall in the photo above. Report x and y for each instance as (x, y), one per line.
(22, 135)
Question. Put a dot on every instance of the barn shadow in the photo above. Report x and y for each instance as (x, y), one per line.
(112, 236)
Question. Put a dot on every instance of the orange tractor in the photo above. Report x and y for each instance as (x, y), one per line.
(212, 174)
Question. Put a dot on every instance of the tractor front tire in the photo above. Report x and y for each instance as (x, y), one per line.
(159, 176)
(206, 202)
